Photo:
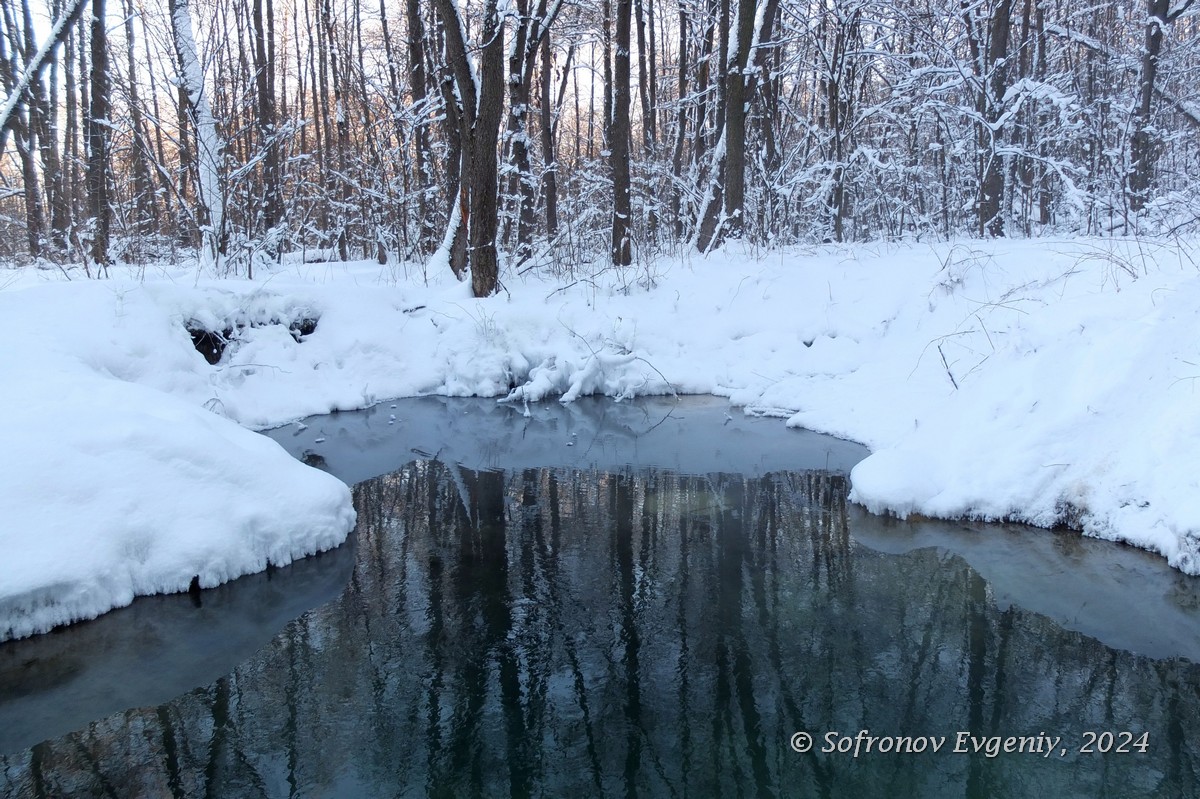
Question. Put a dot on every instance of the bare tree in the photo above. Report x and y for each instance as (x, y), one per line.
(988, 40)
(527, 43)
(618, 145)
(482, 98)
(725, 207)
(98, 139)
(264, 72)
(420, 100)
(144, 200)
(550, 115)
(210, 197)
(1142, 154)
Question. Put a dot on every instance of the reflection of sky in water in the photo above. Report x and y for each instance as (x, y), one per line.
(692, 435)
(1126, 598)
(617, 626)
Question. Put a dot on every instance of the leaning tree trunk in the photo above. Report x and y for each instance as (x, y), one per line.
(38, 62)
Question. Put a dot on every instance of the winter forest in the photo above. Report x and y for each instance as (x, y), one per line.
(544, 133)
(624, 397)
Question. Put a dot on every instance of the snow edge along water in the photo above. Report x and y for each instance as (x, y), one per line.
(1047, 382)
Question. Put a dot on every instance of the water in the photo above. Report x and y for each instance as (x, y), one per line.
(606, 600)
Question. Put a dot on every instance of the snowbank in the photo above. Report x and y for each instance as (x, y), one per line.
(111, 488)
(1076, 405)
(1050, 382)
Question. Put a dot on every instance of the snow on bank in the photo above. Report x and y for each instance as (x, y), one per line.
(110, 488)
(1044, 381)
(1081, 409)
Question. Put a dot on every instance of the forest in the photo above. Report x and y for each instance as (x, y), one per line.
(947, 249)
(491, 136)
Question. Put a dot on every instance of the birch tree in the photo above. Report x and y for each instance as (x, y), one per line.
(210, 199)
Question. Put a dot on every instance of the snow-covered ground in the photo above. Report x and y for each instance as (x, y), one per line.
(1043, 381)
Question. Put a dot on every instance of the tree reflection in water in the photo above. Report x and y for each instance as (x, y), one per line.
(554, 632)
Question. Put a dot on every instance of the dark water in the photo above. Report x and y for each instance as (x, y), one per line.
(619, 617)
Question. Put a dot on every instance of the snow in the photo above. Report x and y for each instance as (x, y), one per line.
(110, 485)
(1042, 381)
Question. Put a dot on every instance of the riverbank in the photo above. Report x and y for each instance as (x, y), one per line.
(1050, 382)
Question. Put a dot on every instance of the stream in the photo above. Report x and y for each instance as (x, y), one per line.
(646, 598)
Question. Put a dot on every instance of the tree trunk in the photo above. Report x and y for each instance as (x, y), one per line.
(26, 144)
(98, 127)
(680, 128)
(992, 194)
(62, 217)
(766, 55)
(606, 39)
(703, 74)
(342, 125)
(485, 261)
(725, 208)
(645, 92)
(457, 166)
(421, 147)
(188, 226)
(41, 115)
(210, 198)
(264, 72)
(643, 79)
(520, 77)
(79, 197)
(145, 205)
(324, 126)
(549, 152)
(991, 72)
(482, 100)
(1142, 147)
(735, 121)
(622, 250)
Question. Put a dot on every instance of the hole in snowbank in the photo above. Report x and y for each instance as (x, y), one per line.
(213, 343)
